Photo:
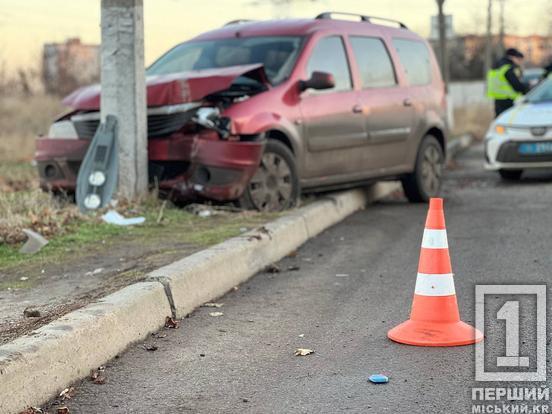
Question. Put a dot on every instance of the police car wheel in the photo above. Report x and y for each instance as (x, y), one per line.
(510, 175)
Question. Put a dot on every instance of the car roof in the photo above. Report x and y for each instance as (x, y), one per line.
(298, 27)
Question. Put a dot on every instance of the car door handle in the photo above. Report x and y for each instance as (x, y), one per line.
(357, 109)
(407, 102)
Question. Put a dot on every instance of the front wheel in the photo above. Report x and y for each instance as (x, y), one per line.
(426, 179)
(275, 185)
(510, 175)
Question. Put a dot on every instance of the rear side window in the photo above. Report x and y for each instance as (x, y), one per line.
(414, 57)
(329, 56)
(373, 62)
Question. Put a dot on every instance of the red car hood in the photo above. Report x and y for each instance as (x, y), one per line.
(175, 88)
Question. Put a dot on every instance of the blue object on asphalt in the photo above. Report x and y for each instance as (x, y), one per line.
(378, 379)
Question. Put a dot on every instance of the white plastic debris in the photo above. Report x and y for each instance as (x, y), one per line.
(205, 213)
(34, 242)
(112, 217)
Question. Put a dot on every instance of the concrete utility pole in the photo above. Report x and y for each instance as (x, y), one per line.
(489, 38)
(501, 31)
(443, 58)
(123, 89)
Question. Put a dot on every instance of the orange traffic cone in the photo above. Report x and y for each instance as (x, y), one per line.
(434, 319)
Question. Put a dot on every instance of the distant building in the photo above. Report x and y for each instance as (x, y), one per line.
(66, 66)
(536, 48)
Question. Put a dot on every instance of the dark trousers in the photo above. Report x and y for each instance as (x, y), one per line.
(501, 105)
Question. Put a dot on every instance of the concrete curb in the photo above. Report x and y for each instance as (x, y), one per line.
(211, 273)
(35, 367)
(458, 145)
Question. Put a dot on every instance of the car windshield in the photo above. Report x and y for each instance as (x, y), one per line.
(277, 54)
(542, 93)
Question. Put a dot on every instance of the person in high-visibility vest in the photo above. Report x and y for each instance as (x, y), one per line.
(504, 83)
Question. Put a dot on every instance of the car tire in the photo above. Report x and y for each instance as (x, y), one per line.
(275, 185)
(426, 179)
(510, 175)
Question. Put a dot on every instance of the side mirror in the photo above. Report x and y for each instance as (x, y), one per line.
(318, 80)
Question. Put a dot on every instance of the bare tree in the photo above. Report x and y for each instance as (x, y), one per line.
(489, 37)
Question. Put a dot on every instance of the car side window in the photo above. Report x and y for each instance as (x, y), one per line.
(414, 57)
(329, 56)
(373, 62)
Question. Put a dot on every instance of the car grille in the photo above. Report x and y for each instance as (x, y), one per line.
(509, 152)
(159, 125)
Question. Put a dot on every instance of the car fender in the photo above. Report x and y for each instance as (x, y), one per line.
(277, 125)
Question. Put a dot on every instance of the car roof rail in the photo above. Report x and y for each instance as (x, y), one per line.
(239, 21)
(363, 18)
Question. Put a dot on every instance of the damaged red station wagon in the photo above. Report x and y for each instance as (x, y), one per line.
(257, 112)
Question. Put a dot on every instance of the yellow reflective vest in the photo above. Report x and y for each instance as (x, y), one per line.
(498, 86)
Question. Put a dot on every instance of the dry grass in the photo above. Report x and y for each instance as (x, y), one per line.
(473, 120)
(35, 210)
(22, 119)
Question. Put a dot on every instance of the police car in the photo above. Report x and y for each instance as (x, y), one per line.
(521, 137)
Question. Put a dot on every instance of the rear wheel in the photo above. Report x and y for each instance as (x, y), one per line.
(425, 181)
(275, 185)
(510, 175)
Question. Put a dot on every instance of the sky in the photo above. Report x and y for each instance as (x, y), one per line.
(25, 25)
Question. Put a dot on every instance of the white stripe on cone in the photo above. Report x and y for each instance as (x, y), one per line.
(435, 285)
(435, 239)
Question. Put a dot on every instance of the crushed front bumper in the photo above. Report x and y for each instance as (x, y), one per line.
(183, 166)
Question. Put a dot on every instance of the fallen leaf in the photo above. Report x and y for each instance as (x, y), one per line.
(293, 254)
(97, 376)
(212, 305)
(67, 393)
(272, 268)
(171, 323)
(215, 314)
(303, 352)
(32, 410)
(151, 347)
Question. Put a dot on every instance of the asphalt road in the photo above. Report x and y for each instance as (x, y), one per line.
(355, 282)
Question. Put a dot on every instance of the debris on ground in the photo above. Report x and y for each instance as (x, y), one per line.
(342, 275)
(113, 217)
(33, 410)
(293, 254)
(272, 268)
(67, 393)
(378, 379)
(97, 376)
(254, 237)
(35, 242)
(303, 352)
(171, 323)
(301, 335)
(151, 347)
(215, 314)
(94, 272)
(212, 305)
(158, 335)
(30, 312)
(201, 210)
(293, 268)
(23, 278)
(63, 410)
